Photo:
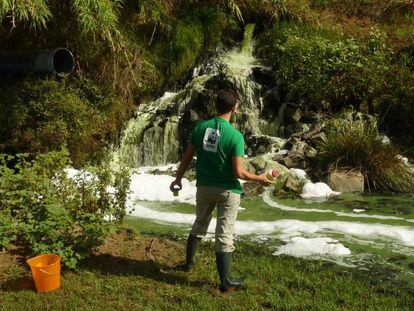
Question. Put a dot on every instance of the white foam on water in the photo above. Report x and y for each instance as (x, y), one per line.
(298, 173)
(358, 210)
(79, 174)
(268, 200)
(289, 228)
(141, 211)
(313, 247)
(147, 169)
(317, 190)
(146, 187)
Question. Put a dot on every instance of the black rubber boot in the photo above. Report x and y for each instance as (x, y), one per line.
(224, 261)
(192, 243)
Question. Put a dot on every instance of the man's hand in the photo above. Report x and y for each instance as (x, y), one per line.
(185, 162)
(264, 180)
(240, 172)
(176, 182)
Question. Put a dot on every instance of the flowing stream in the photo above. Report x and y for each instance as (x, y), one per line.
(371, 232)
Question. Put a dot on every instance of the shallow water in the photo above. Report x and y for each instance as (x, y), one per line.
(368, 232)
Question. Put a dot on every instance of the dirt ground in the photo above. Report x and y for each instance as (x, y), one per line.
(7, 260)
(129, 245)
(120, 247)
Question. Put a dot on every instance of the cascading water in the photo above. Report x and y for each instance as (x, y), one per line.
(158, 133)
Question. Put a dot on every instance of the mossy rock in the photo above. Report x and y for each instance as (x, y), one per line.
(259, 164)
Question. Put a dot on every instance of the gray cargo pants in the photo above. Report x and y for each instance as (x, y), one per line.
(227, 203)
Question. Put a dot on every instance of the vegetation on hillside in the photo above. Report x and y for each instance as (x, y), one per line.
(326, 53)
(125, 51)
(348, 53)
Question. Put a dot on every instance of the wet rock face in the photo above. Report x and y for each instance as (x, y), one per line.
(346, 181)
(260, 144)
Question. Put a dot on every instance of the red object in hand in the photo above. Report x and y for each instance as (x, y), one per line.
(271, 175)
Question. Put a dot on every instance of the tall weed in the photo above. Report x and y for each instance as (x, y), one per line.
(355, 143)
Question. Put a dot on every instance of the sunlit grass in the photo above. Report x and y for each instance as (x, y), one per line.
(281, 283)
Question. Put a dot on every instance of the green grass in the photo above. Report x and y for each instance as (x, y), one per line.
(281, 283)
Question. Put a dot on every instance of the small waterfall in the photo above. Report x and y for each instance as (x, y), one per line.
(158, 133)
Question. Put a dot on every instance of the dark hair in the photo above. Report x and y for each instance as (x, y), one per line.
(226, 100)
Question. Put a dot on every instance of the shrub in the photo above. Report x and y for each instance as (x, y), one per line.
(354, 142)
(46, 115)
(376, 9)
(185, 47)
(316, 65)
(396, 109)
(44, 210)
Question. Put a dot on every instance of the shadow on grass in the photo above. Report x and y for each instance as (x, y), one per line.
(18, 284)
(121, 266)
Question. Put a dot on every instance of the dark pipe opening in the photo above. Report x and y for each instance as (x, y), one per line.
(63, 62)
(59, 62)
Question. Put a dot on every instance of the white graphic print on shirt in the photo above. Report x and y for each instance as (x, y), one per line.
(211, 140)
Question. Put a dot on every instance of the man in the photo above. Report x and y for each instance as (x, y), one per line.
(220, 151)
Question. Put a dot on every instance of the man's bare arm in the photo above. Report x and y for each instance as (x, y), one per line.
(242, 173)
(185, 162)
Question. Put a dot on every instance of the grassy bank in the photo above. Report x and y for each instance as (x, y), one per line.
(132, 271)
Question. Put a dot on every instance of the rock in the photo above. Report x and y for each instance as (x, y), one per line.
(292, 115)
(252, 189)
(269, 125)
(294, 161)
(194, 116)
(294, 128)
(219, 82)
(318, 139)
(293, 140)
(404, 160)
(278, 156)
(297, 115)
(384, 139)
(299, 153)
(299, 148)
(311, 152)
(261, 144)
(259, 164)
(347, 181)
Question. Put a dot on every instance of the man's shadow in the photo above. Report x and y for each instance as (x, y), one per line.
(121, 266)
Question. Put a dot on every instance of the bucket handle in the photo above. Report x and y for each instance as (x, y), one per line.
(48, 273)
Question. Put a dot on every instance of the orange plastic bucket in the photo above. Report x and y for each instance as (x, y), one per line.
(45, 271)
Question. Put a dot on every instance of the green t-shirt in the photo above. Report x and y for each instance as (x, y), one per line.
(216, 142)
